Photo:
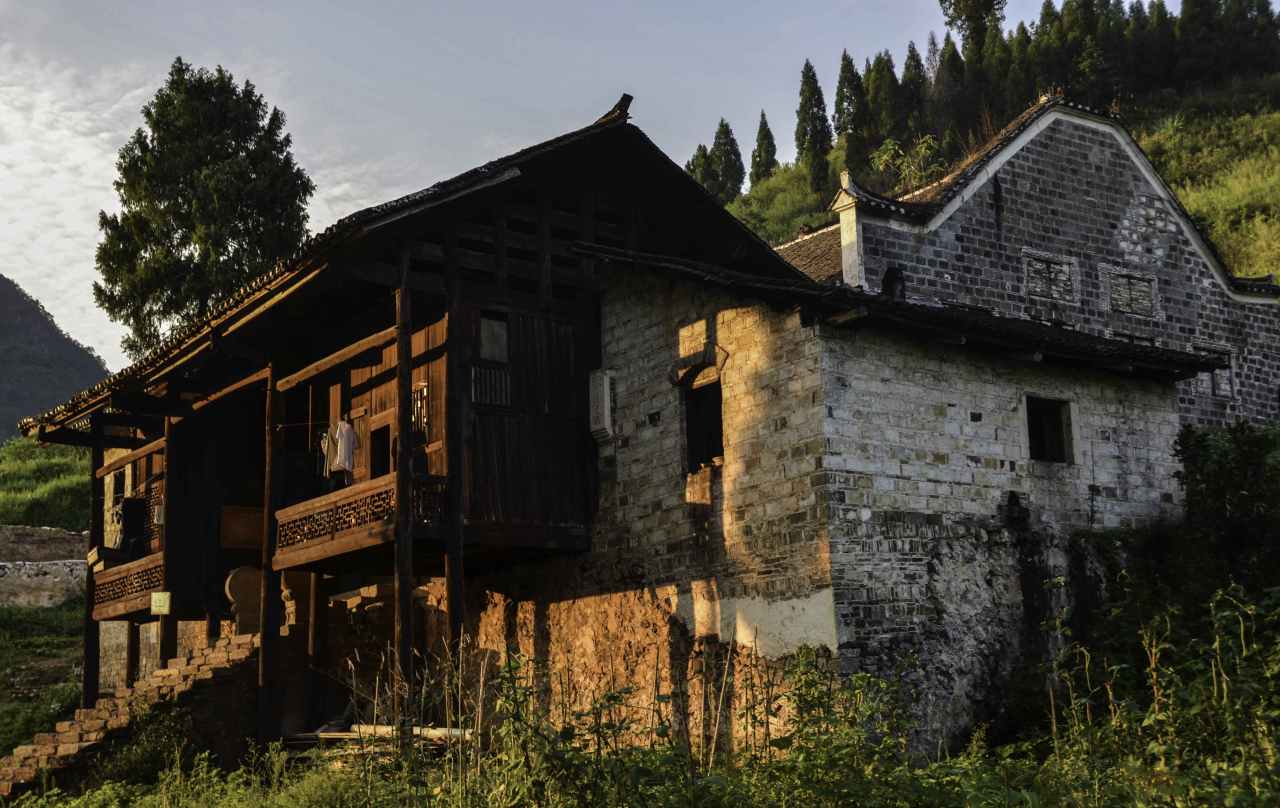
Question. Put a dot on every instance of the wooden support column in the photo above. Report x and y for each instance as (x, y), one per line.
(404, 490)
(167, 647)
(317, 626)
(97, 527)
(132, 655)
(458, 394)
(269, 605)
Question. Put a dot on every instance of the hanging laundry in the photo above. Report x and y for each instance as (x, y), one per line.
(344, 443)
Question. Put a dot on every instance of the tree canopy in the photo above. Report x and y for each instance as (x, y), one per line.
(210, 197)
(764, 157)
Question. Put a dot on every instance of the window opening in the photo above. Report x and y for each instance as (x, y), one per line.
(1049, 279)
(1132, 294)
(704, 430)
(380, 452)
(493, 337)
(117, 486)
(1049, 429)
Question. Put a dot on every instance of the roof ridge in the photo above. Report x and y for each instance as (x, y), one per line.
(804, 236)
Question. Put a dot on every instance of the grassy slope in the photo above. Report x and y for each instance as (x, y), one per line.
(44, 486)
(39, 664)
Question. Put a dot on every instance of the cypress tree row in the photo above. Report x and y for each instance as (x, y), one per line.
(1099, 52)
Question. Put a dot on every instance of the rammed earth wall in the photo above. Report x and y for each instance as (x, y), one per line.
(1074, 192)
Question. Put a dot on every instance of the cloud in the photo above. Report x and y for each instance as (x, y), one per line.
(60, 129)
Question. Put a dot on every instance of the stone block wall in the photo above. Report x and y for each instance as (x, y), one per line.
(925, 444)
(1074, 193)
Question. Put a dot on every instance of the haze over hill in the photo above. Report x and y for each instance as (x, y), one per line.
(40, 365)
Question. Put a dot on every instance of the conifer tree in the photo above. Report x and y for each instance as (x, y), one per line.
(914, 90)
(883, 102)
(1049, 57)
(813, 128)
(1162, 43)
(1198, 41)
(932, 57)
(1019, 88)
(764, 157)
(726, 165)
(699, 167)
(850, 101)
(971, 18)
(948, 92)
(995, 75)
(1264, 45)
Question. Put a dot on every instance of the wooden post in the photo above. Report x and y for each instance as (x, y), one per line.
(317, 614)
(132, 644)
(457, 392)
(97, 527)
(269, 600)
(404, 489)
(167, 647)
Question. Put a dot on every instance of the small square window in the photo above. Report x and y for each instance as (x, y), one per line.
(1050, 279)
(704, 431)
(1049, 430)
(493, 338)
(117, 486)
(1131, 294)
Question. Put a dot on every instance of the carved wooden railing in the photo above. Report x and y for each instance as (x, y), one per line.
(353, 518)
(127, 588)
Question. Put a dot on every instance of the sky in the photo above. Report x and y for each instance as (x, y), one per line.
(387, 98)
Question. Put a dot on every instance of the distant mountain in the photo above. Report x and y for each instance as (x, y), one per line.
(40, 366)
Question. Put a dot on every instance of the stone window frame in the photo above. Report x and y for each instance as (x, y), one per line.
(1211, 386)
(1073, 428)
(1040, 255)
(1110, 272)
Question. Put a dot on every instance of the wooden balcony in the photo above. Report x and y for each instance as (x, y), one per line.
(354, 518)
(127, 588)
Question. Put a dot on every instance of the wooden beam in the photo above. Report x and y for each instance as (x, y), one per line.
(147, 423)
(132, 658)
(147, 404)
(234, 387)
(317, 628)
(124, 460)
(269, 594)
(386, 275)
(404, 490)
(373, 341)
(97, 527)
(66, 436)
(235, 346)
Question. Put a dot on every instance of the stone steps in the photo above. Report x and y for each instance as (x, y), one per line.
(50, 751)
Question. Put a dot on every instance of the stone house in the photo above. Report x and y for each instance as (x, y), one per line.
(876, 439)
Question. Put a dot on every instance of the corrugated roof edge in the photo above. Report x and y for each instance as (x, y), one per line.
(310, 249)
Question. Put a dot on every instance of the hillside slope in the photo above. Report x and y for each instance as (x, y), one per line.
(39, 364)
(1219, 150)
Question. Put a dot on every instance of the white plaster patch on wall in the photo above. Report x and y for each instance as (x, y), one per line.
(772, 627)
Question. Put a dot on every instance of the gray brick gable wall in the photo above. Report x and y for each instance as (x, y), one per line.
(1073, 193)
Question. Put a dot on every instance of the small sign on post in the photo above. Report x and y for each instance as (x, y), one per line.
(159, 603)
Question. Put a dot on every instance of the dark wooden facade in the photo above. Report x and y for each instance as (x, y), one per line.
(473, 449)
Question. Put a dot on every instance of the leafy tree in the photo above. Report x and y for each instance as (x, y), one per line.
(813, 128)
(726, 164)
(970, 18)
(764, 157)
(910, 168)
(210, 197)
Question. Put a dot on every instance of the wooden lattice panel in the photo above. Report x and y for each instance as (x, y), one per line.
(430, 497)
(149, 577)
(372, 508)
(155, 504)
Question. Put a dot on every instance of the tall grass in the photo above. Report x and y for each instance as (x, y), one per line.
(39, 661)
(44, 486)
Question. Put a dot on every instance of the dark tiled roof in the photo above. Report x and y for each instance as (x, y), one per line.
(815, 254)
(305, 257)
